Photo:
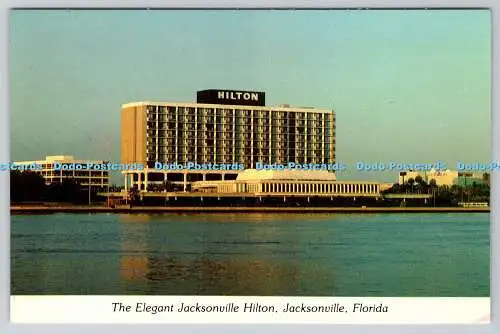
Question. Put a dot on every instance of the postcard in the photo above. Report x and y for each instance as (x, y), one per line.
(250, 166)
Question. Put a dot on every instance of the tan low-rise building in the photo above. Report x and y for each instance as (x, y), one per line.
(53, 171)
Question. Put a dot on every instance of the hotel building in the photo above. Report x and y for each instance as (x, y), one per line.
(222, 127)
(47, 168)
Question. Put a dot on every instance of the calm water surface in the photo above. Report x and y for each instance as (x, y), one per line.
(252, 254)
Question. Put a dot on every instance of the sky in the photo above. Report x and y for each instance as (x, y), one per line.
(407, 86)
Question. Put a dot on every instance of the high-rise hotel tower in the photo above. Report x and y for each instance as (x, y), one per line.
(226, 127)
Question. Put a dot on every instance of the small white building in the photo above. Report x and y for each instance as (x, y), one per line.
(52, 173)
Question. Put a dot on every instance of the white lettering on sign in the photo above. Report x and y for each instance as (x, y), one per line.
(238, 96)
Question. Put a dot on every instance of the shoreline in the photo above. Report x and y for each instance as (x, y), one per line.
(27, 209)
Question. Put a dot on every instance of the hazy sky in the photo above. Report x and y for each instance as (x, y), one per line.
(410, 86)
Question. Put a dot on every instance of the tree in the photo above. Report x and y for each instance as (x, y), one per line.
(411, 183)
(134, 195)
(433, 183)
(486, 178)
(396, 188)
(26, 186)
(68, 190)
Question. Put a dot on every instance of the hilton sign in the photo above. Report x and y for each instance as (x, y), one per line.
(216, 96)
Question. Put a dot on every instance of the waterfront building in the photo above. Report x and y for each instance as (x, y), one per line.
(294, 183)
(447, 177)
(468, 179)
(273, 188)
(48, 168)
(230, 128)
(442, 178)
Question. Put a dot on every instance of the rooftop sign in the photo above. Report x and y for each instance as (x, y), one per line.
(221, 96)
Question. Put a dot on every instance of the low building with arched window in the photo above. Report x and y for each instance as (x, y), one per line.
(288, 183)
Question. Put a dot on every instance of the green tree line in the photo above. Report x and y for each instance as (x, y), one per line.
(29, 186)
(444, 194)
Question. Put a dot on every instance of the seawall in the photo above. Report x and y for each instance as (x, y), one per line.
(34, 209)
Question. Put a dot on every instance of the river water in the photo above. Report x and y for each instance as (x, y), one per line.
(435, 254)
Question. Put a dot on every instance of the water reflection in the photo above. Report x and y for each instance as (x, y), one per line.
(207, 258)
(251, 254)
(206, 276)
(134, 218)
(251, 217)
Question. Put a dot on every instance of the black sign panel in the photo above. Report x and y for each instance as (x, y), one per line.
(234, 97)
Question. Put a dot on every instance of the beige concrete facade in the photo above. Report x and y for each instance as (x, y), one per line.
(133, 132)
(201, 133)
(183, 133)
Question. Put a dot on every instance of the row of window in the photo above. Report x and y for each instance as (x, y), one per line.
(255, 117)
(239, 149)
(189, 111)
(243, 136)
(229, 126)
(247, 160)
(71, 174)
(230, 137)
(319, 188)
(210, 142)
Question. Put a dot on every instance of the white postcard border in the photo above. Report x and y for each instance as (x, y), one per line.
(248, 310)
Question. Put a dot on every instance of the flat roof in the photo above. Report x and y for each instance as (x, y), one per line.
(59, 158)
(282, 175)
(226, 106)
